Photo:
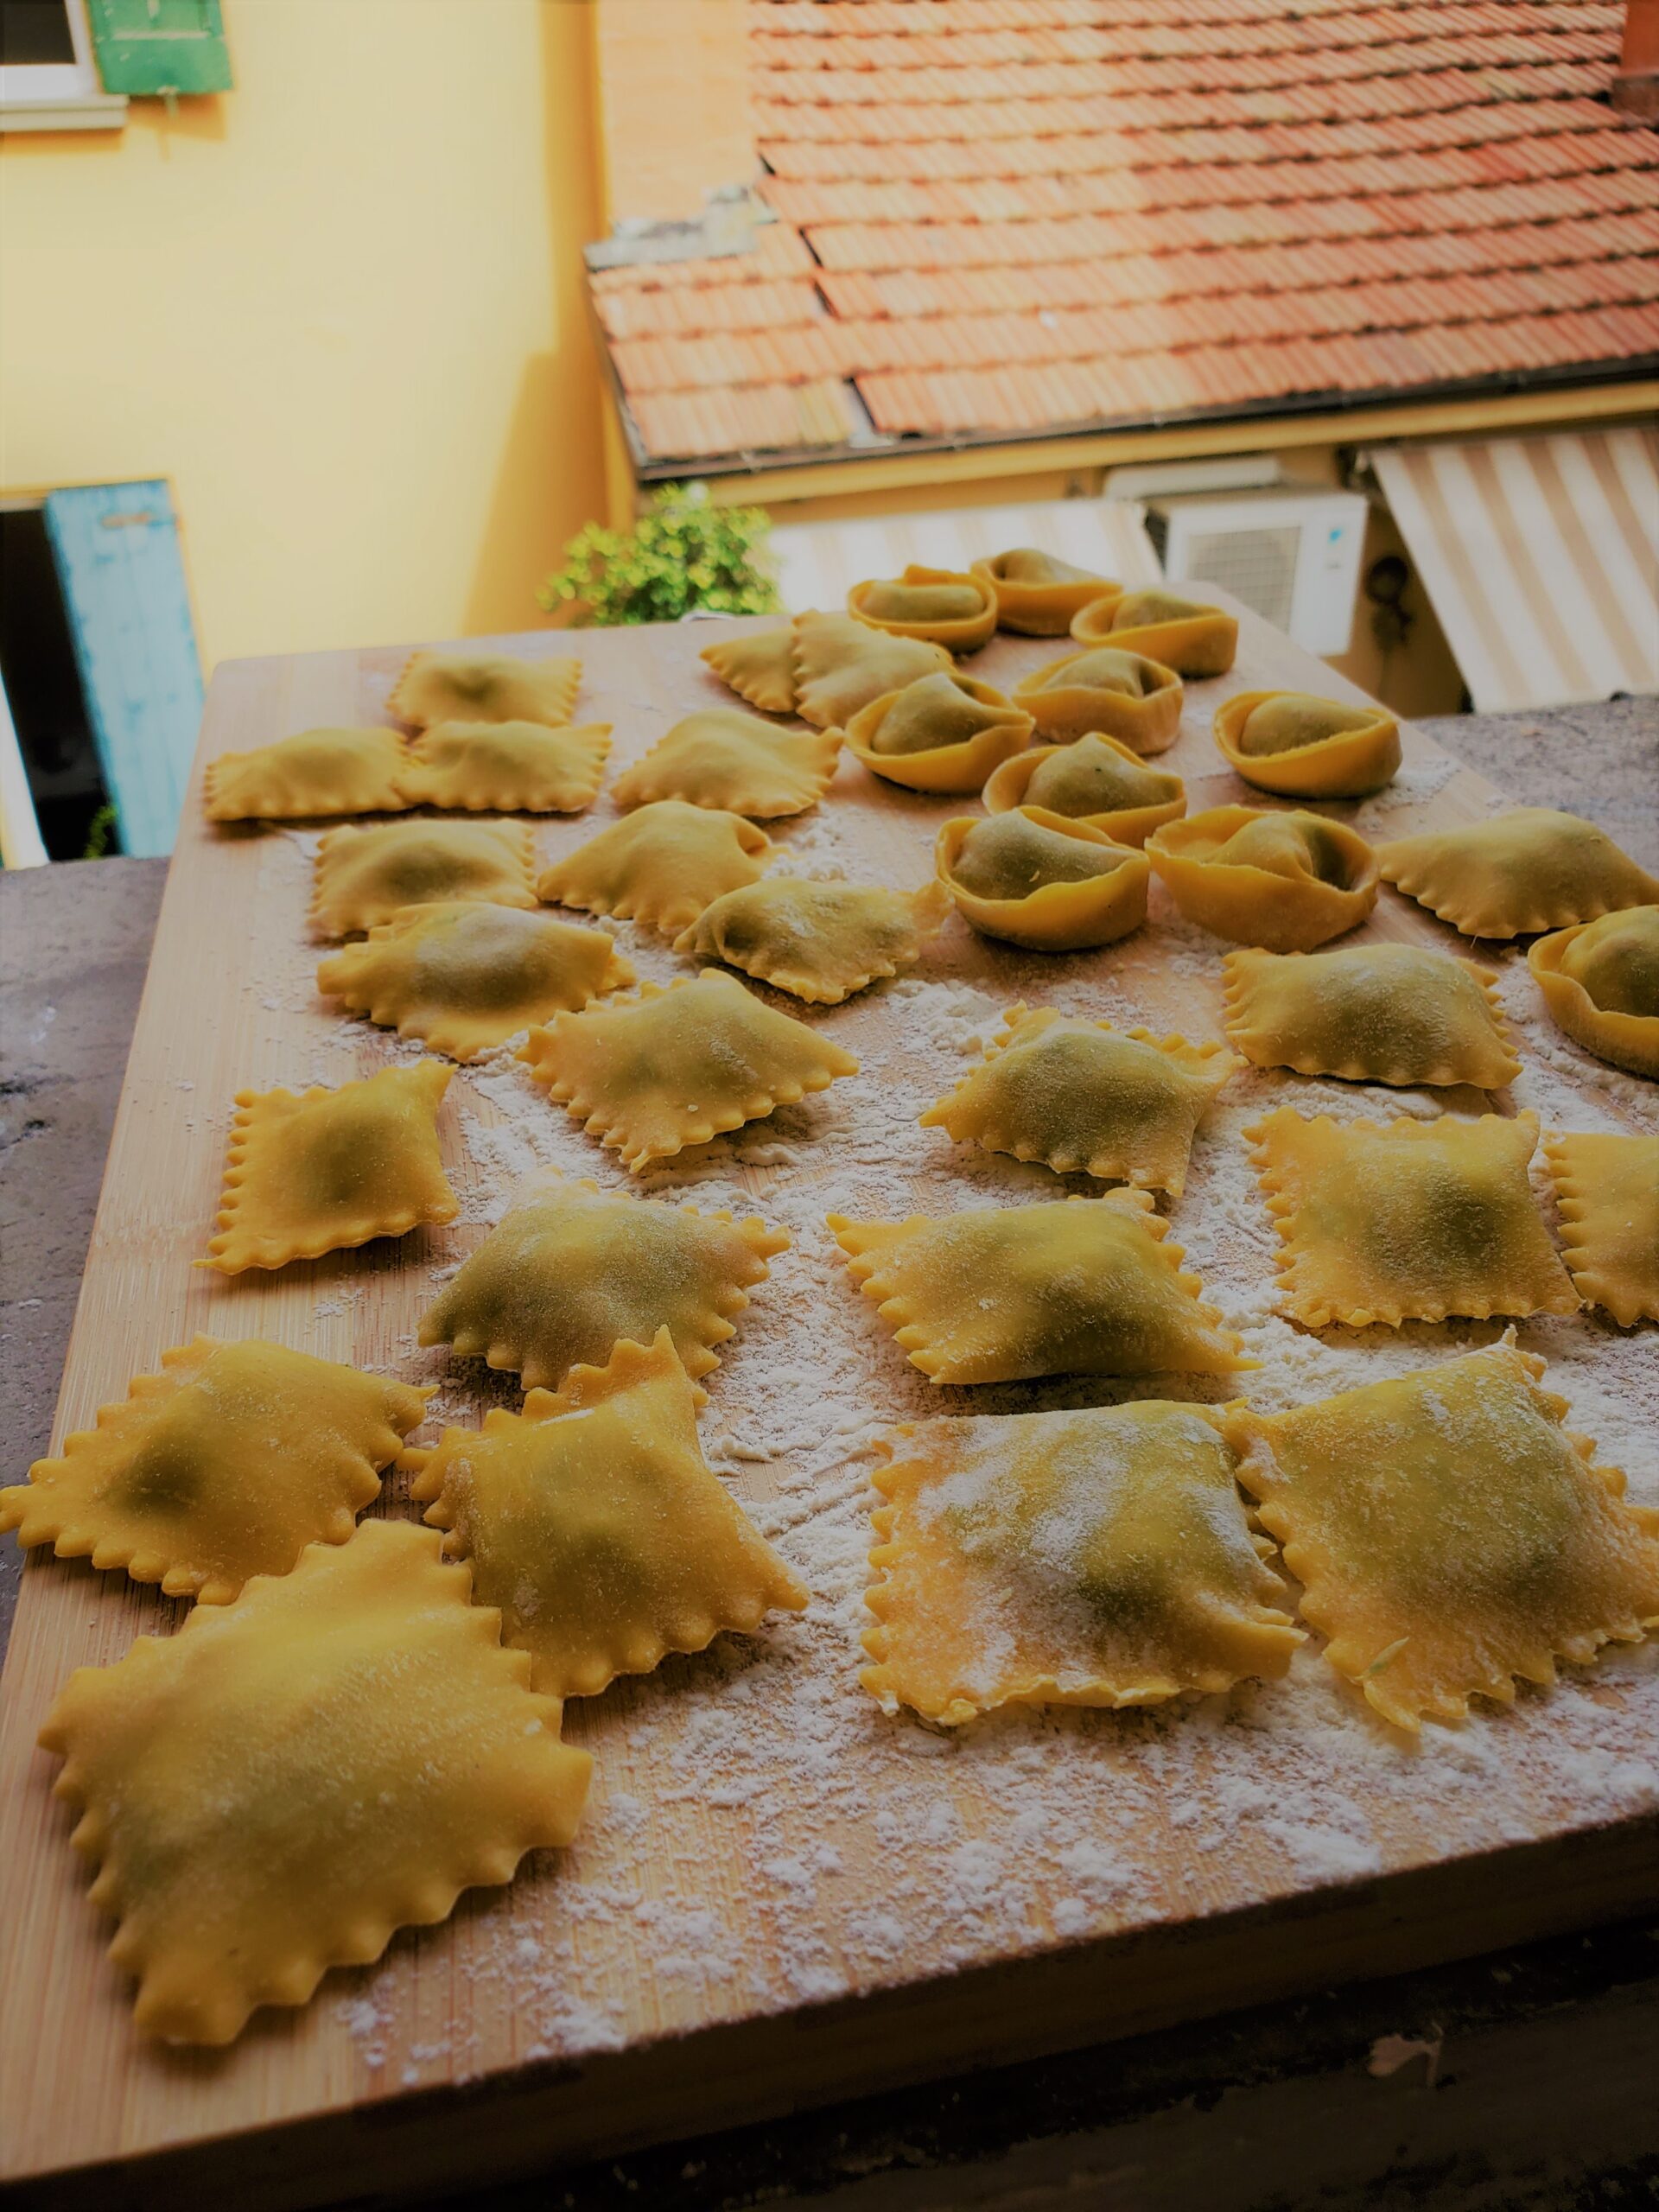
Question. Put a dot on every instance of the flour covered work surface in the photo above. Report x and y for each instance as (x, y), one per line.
(909, 1884)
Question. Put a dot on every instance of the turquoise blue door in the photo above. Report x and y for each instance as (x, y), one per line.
(116, 551)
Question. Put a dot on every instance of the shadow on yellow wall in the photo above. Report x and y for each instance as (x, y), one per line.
(341, 307)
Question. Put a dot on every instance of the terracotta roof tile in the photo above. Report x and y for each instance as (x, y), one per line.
(1002, 217)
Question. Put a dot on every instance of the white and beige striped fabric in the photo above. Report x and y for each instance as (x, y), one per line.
(819, 563)
(1540, 556)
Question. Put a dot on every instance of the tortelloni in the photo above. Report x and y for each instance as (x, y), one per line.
(820, 942)
(660, 866)
(1600, 981)
(571, 1269)
(366, 876)
(648, 1075)
(484, 688)
(1407, 1221)
(1038, 593)
(1105, 689)
(1449, 1535)
(276, 1789)
(943, 732)
(1074, 1287)
(760, 666)
(1304, 748)
(1095, 779)
(224, 1465)
(1083, 1098)
(1036, 879)
(318, 771)
(842, 664)
(1193, 639)
(938, 606)
(1101, 1557)
(507, 768)
(464, 978)
(734, 762)
(1527, 870)
(594, 1522)
(1608, 1187)
(327, 1170)
(1395, 1014)
(1286, 882)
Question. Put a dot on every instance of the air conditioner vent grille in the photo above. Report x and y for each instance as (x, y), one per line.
(1258, 566)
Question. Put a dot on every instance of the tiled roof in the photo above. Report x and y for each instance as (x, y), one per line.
(1002, 218)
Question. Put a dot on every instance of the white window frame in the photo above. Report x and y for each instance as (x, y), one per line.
(61, 95)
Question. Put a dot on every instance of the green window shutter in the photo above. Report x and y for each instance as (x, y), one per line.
(160, 45)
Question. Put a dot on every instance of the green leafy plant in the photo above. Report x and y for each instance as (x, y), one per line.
(684, 553)
(100, 832)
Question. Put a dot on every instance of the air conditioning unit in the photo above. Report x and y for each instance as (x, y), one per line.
(1292, 556)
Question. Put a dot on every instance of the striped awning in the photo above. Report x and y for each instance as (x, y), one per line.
(1540, 556)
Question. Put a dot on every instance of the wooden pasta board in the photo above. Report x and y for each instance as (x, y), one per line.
(780, 1896)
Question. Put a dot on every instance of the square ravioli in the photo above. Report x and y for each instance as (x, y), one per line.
(841, 664)
(367, 876)
(1532, 868)
(1395, 1014)
(570, 1268)
(650, 1075)
(225, 1466)
(593, 1521)
(281, 1786)
(1085, 1098)
(1101, 1557)
(820, 942)
(317, 772)
(327, 1170)
(463, 687)
(1074, 1287)
(1407, 1221)
(1449, 1533)
(464, 978)
(507, 768)
(720, 757)
(659, 867)
(759, 666)
(1608, 1187)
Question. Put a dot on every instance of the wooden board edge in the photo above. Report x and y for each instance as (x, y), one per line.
(563, 2113)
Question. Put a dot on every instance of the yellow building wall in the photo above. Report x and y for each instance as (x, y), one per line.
(341, 307)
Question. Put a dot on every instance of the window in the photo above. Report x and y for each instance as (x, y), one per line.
(49, 77)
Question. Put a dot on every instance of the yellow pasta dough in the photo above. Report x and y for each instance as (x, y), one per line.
(484, 688)
(593, 1520)
(1449, 1533)
(1608, 1187)
(327, 1170)
(507, 768)
(723, 758)
(842, 664)
(224, 1465)
(1036, 879)
(1304, 748)
(942, 606)
(318, 771)
(760, 666)
(1074, 1287)
(1085, 1098)
(1095, 779)
(1529, 869)
(942, 733)
(570, 1268)
(822, 942)
(1103, 688)
(1101, 1557)
(1287, 882)
(1038, 593)
(1183, 634)
(1600, 981)
(1407, 1221)
(279, 1787)
(463, 978)
(651, 1074)
(659, 866)
(1396, 1013)
(366, 876)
